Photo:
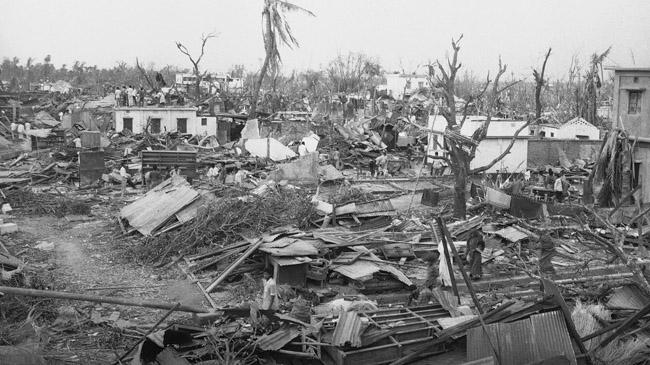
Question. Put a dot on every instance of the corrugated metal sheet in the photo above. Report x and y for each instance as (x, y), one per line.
(278, 339)
(542, 336)
(189, 212)
(551, 336)
(512, 234)
(158, 205)
(358, 270)
(628, 297)
(516, 344)
(478, 344)
(288, 261)
(288, 246)
(348, 330)
(374, 207)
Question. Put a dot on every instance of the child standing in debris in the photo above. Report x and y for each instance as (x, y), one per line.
(126, 178)
(432, 269)
(21, 131)
(270, 293)
(302, 149)
(558, 187)
(382, 163)
(546, 253)
(475, 247)
(336, 159)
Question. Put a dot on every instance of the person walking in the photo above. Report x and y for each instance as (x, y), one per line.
(475, 247)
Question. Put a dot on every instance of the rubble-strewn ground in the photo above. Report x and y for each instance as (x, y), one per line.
(82, 255)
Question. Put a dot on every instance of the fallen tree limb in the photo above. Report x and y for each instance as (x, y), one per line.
(172, 310)
(98, 299)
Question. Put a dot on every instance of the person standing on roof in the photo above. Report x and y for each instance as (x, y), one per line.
(161, 98)
(125, 96)
(118, 97)
(302, 149)
(141, 96)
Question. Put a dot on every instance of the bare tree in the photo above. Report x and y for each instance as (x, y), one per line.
(539, 85)
(275, 30)
(195, 62)
(462, 150)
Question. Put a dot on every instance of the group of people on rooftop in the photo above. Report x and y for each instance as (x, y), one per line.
(129, 96)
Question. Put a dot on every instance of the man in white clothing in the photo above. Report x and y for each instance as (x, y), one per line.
(302, 149)
(270, 293)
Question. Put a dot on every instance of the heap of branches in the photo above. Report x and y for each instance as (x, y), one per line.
(228, 221)
(28, 202)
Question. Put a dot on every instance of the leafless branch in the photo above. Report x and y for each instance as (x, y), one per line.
(505, 152)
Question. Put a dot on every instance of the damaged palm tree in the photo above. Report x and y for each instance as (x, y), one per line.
(462, 150)
(614, 153)
(275, 30)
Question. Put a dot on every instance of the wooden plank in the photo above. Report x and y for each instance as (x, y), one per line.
(233, 266)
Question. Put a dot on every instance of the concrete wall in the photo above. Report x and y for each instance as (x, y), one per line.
(638, 124)
(168, 119)
(543, 152)
(490, 148)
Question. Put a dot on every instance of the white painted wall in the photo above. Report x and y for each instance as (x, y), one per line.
(549, 131)
(490, 148)
(395, 84)
(577, 127)
(168, 119)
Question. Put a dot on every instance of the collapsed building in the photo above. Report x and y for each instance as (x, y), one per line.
(365, 269)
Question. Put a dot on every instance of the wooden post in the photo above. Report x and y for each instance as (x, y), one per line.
(98, 299)
(468, 282)
(449, 267)
(233, 266)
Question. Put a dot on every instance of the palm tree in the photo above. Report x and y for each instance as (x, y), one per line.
(276, 29)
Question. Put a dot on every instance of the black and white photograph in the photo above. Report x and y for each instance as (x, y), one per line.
(324, 182)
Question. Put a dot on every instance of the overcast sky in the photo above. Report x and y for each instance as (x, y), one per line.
(401, 34)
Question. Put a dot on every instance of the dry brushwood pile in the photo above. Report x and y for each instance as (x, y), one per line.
(28, 202)
(227, 221)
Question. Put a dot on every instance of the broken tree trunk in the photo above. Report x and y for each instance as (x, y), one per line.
(98, 299)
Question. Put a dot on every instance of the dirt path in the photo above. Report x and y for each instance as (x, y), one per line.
(86, 258)
(83, 256)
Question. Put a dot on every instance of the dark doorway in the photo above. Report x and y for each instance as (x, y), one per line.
(154, 127)
(127, 123)
(181, 125)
